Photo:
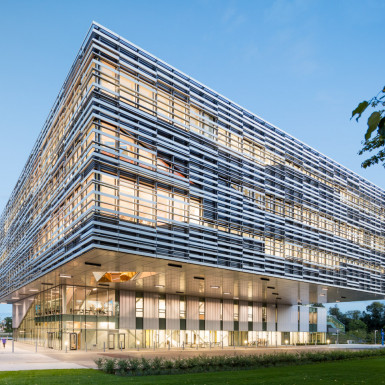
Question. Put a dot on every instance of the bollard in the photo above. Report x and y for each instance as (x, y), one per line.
(66, 348)
(183, 345)
(104, 347)
(13, 346)
(36, 347)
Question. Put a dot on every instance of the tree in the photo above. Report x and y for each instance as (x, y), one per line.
(336, 312)
(375, 133)
(355, 325)
(353, 314)
(8, 324)
(374, 316)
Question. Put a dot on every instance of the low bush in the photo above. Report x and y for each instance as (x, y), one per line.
(148, 366)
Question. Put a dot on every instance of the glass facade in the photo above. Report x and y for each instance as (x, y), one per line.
(139, 162)
(88, 318)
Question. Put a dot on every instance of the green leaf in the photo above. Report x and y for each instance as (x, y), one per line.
(373, 122)
(360, 109)
(381, 127)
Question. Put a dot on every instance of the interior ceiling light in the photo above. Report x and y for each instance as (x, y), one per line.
(215, 287)
(15, 298)
(65, 276)
(324, 288)
(159, 285)
(121, 276)
(322, 295)
(337, 300)
(33, 289)
(226, 293)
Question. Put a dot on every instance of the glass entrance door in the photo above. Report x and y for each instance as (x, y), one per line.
(73, 341)
(111, 341)
(50, 340)
(122, 341)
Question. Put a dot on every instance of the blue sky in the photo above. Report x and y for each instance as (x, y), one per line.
(301, 64)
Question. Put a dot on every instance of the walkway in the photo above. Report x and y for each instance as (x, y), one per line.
(25, 357)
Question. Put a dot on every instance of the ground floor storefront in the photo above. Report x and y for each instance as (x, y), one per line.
(97, 318)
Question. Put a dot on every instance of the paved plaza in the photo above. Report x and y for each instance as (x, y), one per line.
(25, 357)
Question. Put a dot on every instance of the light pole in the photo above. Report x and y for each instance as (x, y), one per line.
(375, 337)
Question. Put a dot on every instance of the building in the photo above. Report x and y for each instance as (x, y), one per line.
(155, 212)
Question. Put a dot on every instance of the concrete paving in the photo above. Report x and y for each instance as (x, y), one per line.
(25, 357)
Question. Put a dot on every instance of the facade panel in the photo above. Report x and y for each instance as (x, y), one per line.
(303, 318)
(127, 317)
(170, 214)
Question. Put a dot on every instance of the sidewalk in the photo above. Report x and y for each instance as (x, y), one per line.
(26, 358)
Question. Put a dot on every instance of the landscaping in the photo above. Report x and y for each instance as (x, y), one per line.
(160, 366)
(365, 370)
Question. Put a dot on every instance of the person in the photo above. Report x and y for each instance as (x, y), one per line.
(4, 341)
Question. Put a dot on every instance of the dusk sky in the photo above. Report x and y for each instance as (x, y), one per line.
(303, 65)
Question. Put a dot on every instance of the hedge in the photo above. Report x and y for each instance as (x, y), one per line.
(150, 366)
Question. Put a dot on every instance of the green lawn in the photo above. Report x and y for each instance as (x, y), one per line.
(363, 371)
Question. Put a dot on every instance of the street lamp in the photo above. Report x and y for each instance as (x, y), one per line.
(328, 342)
(286, 342)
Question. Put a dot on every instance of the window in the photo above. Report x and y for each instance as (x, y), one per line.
(162, 306)
(139, 305)
(182, 308)
(201, 309)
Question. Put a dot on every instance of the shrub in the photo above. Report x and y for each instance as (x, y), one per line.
(122, 367)
(109, 366)
(144, 366)
(99, 363)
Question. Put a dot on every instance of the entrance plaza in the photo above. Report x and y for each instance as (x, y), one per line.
(27, 357)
